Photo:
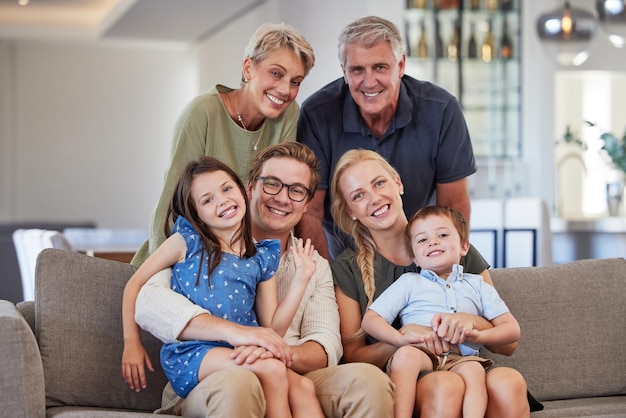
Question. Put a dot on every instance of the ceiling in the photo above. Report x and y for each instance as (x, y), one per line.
(184, 21)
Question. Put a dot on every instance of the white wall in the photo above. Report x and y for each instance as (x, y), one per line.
(88, 129)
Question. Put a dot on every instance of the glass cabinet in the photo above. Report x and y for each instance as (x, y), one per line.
(472, 49)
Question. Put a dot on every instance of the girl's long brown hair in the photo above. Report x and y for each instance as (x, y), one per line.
(182, 204)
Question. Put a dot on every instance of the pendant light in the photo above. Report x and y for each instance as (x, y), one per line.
(568, 32)
(612, 17)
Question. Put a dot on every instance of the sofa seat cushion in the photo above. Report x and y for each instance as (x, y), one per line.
(572, 317)
(78, 324)
(86, 412)
(610, 406)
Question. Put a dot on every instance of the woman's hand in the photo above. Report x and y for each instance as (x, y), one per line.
(134, 360)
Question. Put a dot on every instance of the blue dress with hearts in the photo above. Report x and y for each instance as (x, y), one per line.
(229, 293)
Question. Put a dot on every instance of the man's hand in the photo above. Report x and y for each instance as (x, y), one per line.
(260, 338)
(248, 354)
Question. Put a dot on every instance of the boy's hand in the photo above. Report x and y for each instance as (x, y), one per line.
(425, 337)
(454, 328)
(303, 258)
(134, 360)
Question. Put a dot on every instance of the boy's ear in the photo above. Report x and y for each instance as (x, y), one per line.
(465, 248)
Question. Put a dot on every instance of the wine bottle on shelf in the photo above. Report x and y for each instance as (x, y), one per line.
(474, 5)
(506, 44)
(438, 40)
(453, 45)
(472, 50)
(487, 46)
(422, 44)
(418, 4)
(491, 5)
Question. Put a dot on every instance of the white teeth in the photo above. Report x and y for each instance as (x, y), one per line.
(381, 210)
(437, 252)
(277, 212)
(227, 212)
(371, 94)
(275, 99)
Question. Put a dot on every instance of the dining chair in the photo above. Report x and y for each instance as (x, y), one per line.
(28, 244)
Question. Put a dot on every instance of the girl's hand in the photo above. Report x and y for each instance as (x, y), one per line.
(134, 360)
(303, 259)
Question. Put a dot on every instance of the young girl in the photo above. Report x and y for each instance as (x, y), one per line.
(217, 265)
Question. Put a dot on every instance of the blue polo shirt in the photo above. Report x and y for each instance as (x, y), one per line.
(427, 141)
(416, 297)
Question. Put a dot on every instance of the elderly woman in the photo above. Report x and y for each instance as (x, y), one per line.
(233, 125)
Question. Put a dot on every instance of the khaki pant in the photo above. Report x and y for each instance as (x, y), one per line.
(354, 390)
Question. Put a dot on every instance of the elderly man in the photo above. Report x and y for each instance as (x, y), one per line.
(418, 127)
(282, 181)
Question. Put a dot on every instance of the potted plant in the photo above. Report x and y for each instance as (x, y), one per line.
(615, 148)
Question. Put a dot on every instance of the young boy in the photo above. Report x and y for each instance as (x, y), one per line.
(439, 238)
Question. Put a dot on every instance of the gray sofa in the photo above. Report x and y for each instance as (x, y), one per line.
(61, 354)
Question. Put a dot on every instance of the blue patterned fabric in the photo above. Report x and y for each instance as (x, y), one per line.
(229, 294)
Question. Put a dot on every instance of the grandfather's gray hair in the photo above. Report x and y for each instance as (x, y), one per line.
(368, 32)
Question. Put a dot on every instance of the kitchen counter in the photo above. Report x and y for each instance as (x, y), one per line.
(588, 238)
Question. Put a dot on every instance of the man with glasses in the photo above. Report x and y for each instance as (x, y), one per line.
(283, 180)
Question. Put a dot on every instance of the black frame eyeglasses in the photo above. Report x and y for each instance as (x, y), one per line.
(273, 186)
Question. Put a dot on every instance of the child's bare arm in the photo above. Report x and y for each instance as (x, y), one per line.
(505, 330)
(279, 316)
(135, 356)
(376, 326)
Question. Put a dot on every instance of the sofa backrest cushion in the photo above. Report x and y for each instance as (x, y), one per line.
(78, 324)
(573, 322)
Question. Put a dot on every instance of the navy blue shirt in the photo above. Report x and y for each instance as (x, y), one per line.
(427, 141)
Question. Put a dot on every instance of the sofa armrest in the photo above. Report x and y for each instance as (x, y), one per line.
(22, 391)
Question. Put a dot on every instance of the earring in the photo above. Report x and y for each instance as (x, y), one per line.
(354, 218)
(401, 192)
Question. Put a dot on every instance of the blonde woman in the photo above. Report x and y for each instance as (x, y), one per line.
(366, 203)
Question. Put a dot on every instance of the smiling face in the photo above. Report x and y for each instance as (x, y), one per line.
(372, 195)
(436, 244)
(273, 82)
(373, 76)
(219, 202)
(275, 215)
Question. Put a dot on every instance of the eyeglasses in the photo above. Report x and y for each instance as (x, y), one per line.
(273, 186)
